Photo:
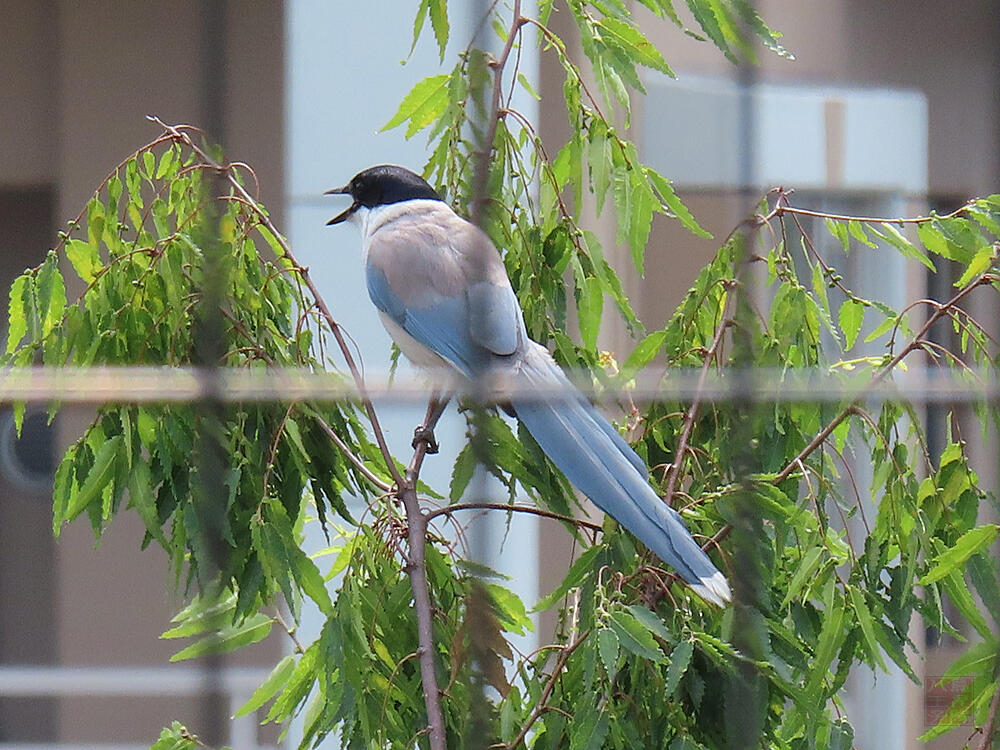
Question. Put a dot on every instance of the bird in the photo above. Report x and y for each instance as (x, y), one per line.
(443, 294)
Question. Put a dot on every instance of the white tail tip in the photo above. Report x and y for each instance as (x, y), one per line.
(714, 589)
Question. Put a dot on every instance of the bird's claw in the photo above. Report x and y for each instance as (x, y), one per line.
(425, 435)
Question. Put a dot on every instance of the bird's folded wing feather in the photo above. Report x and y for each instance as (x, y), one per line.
(447, 288)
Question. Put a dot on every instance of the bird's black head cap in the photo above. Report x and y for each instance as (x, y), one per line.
(382, 185)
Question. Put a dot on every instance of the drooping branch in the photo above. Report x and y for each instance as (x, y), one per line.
(178, 134)
(915, 343)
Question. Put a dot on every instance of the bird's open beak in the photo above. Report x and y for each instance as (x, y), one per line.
(345, 215)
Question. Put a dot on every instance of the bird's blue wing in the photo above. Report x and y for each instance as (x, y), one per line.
(440, 323)
(494, 317)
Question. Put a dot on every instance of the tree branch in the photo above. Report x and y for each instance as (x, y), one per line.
(416, 569)
(914, 344)
(786, 209)
(449, 509)
(546, 692)
(483, 165)
(177, 134)
(689, 417)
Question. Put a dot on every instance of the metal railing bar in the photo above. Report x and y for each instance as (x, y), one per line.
(98, 385)
(116, 681)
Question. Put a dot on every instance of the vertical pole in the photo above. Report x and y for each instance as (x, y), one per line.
(209, 342)
(745, 694)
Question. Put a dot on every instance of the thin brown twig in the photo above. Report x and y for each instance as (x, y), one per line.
(914, 344)
(449, 509)
(689, 417)
(350, 455)
(498, 65)
(786, 209)
(546, 692)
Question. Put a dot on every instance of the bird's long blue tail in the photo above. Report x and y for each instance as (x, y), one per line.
(598, 461)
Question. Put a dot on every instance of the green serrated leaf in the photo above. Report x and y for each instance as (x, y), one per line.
(99, 476)
(230, 638)
(577, 572)
(839, 230)
(644, 353)
(980, 262)
(85, 259)
(17, 318)
(864, 617)
(666, 192)
(979, 660)
(634, 637)
(633, 43)
(275, 681)
(857, 230)
(906, 248)
(680, 658)
(607, 648)
(424, 104)
(967, 545)
(851, 317)
(439, 22)
(589, 308)
(651, 621)
(311, 580)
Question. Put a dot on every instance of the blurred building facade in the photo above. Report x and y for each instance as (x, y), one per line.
(882, 112)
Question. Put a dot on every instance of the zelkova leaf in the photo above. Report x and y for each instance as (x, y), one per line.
(634, 637)
(589, 307)
(651, 621)
(577, 572)
(100, 475)
(851, 316)
(680, 658)
(866, 623)
(17, 317)
(607, 648)
(967, 545)
(424, 104)
(906, 248)
(669, 197)
(51, 293)
(644, 353)
(439, 22)
(269, 687)
(978, 660)
(85, 259)
(230, 638)
(980, 262)
(633, 43)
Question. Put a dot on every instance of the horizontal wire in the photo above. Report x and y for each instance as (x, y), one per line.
(99, 385)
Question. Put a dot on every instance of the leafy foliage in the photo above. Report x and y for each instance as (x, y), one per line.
(828, 568)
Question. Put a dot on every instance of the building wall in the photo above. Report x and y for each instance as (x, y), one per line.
(76, 82)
